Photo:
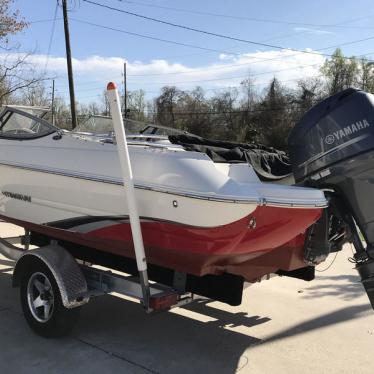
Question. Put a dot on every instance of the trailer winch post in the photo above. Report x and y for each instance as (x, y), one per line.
(127, 175)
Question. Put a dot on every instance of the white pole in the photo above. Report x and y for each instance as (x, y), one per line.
(128, 180)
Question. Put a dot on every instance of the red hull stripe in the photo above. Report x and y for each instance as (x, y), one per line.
(275, 243)
(273, 227)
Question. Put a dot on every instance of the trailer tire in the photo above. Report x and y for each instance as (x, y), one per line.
(42, 304)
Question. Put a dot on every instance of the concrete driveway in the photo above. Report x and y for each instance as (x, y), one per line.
(283, 326)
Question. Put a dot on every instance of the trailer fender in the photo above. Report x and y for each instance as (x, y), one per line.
(66, 271)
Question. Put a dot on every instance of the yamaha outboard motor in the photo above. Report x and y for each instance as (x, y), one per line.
(332, 148)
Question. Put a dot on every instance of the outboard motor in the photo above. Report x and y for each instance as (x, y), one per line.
(332, 148)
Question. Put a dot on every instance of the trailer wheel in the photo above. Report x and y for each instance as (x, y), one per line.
(42, 304)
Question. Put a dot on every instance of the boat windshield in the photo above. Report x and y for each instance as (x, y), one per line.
(19, 124)
(102, 125)
(37, 111)
(95, 125)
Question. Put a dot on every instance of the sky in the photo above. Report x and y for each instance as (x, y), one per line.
(99, 51)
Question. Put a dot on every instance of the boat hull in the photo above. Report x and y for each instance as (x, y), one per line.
(41, 197)
(275, 242)
(197, 217)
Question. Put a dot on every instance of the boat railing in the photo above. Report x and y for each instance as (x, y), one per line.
(141, 136)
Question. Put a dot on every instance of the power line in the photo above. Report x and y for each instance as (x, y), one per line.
(148, 36)
(51, 37)
(302, 66)
(209, 33)
(238, 111)
(215, 68)
(45, 20)
(208, 80)
(254, 62)
(204, 89)
(194, 46)
(172, 42)
(241, 76)
(285, 35)
(215, 88)
(289, 105)
(183, 44)
(184, 10)
(209, 49)
(224, 78)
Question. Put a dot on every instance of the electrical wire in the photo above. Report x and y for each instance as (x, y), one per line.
(45, 20)
(209, 33)
(51, 38)
(261, 60)
(204, 89)
(289, 105)
(329, 266)
(284, 36)
(238, 76)
(223, 78)
(180, 43)
(148, 36)
(194, 46)
(97, 87)
(246, 18)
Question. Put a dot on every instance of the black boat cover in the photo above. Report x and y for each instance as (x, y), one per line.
(269, 163)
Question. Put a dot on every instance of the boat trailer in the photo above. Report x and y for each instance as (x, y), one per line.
(78, 281)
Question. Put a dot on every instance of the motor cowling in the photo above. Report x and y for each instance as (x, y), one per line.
(332, 147)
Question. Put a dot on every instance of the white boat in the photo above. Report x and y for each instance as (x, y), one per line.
(197, 216)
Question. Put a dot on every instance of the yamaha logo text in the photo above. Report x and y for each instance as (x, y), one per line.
(346, 131)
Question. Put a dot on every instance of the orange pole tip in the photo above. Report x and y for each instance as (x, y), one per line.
(111, 86)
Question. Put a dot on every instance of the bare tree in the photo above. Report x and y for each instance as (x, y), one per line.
(10, 21)
(35, 94)
(224, 107)
(166, 104)
(250, 131)
(136, 104)
(62, 113)
(15, 72)
(104, 105)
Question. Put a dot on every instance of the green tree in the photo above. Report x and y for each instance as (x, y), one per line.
(366, 75)
(340, 72)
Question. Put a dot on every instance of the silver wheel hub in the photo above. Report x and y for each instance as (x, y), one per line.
(40, 297)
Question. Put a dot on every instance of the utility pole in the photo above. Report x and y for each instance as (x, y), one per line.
(53, 102)
(69, 65)
(125, 89)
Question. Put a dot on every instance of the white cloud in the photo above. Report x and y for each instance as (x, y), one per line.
(92, 73)
(312, 31)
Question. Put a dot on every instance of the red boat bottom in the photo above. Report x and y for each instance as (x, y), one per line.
(251, 250)
(243, 248)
